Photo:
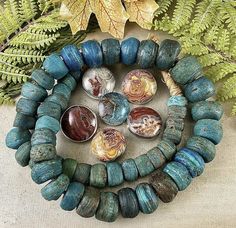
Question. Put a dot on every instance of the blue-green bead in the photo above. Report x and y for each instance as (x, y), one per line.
(72, 196)
(43, 136)
(111, 51)
(210, 129)
(76, 75)
(48, 122)
(148, 200)
(26, 106)
(147, 53)
(69, 81)
(177, 100)
(82, 173)
(191, 160)
(59, 99)
(175, 123)
(167, 147)
(167, 54)
(130, 170)
(48, 108)
(42, 152)
(173, 135)
(23, 121)
(46, 170)
(156, 157)
(69, 166)
(207, 110)
(22, 154)
(33, 92)
(55, 66)
(54, 189)
(43, 79)
(16, 137)
(114, 174)
(62, 89)
(202, 146)
(98, 175)
(108, 209)
(200, 89)
(144, 165)
(177, 111)
(72, 58)
(92, 53)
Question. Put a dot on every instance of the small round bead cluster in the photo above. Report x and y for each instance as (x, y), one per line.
(37, 123)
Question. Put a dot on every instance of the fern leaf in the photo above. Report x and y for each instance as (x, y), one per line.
(222, 43)
(163, 6)
(228, 90)
(234, 110)
(28, 9)
(5, 99)
(210, 59)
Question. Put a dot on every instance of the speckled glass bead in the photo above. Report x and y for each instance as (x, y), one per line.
(62, 89)
(200, 89)
(167, 54)
(210, 129)
(177, 111)
(54, 189)
(23, 121)
(42, 152)
(111, 51)
(44, 171)
(98, 175)
(113, 108)
(167, 147)
(177, 101)
(48, 122)
(164, 186)
(207, 110)
(43, 136)
(114, 174)
(144, 165)
(186, 70)
(173, 135)
(148, 200)
(69, 81)
(130, 170)
(69, 166)
(147, 53)
(129, 50)
(203, 146)
(49, 108)
(58, 99)
(156, 157)
(33, 92)
(179, 173)
(72, 196)
(175, 123)
(191, 160)
(16, 137)
(82, 173)
(108, 209)
(92, 53)
(26, 106)
(43, 79)
(55, 66)
(72, 57)
(128, 203)
(22, 154)
(89, 203)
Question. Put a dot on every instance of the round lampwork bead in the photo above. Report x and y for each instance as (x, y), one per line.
(113, 108)
(98, 81)
(144, 122)
(114, 174)
(111, 51)
(43, 79)
(26, 106)
(130, 170)
(139, 86)
(22, 154)
(79, 123)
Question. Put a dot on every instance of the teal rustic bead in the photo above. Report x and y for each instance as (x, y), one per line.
(54, 189)
(179, 173)
(22, 154)
(48, 108)
(156, 157)
(128, 203)
(167, 147)
(82, 173)
(23, 121)
(147, 53)
(69, 81)
(175, 123)
(43, 79)
(108, 209)
(207, 110)
(167, 54)
(173, 135)
(69, 166)
(144, 165)
(26, 106)
(48, 122)
(114, 174)
(59, 99)
(203, 146)
(186, 70)
(16, 137)
(111, 51)
(130, 170)
(31, 163)
(33, 92)
(89, 203)
(46, 170)
(62, 89)
(200, 89)
(210, 129)
(191, 160)
(177, 101)
(98, 175)
(177, 111)
(148, 200)
(76, 75)
(73, 196)
(43, 136)
(42, 152)
(55, 66)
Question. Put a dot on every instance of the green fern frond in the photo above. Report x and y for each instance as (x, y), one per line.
(5, 99)
(222, 43)
(234, 110)
(8, 92)
(163, 6)
(228, 90)
(210, 59)
(28, 9)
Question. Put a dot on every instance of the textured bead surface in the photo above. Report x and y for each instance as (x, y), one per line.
(177, 100)
(200, 89)
(69, 81)
(61, 88)
(49, 108)
(58, 99)
(43, 136)
(111, 51)
(156, 157)
(114, 174)
(210, 129)
(48, 122)
(179, 173)
(82, 173)
(42, 152)
(26, 106)
(23, 121)
(76, 75)
(130, 170)
(167, 147)
(148, 200)
(144, 165)
(69, 166)
(175, 123)
(43, 79)
(22, 154)
(98, 175)
(177, 111)
(173, 135)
